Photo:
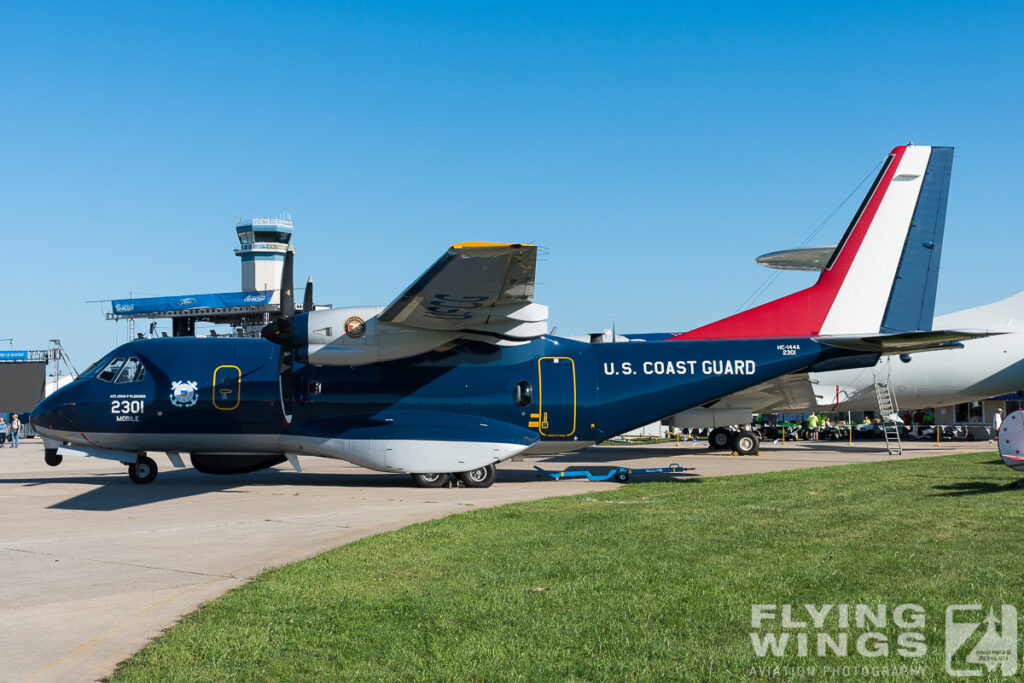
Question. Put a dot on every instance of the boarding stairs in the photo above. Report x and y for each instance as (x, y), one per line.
(886, 409)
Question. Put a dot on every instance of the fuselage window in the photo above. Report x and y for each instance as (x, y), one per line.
(108, 373)
(523, 393)
(133, 371)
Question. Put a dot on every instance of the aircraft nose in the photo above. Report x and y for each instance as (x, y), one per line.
(49, 413)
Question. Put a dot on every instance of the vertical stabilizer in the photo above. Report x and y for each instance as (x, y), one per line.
(882, 276)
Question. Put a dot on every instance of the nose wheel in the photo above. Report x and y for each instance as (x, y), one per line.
(142, 471)
(52, 457)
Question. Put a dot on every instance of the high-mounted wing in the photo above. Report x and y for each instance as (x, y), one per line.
(477, 291)
(478, 287)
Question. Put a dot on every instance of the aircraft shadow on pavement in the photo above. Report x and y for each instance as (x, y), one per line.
(613, 454)
(117, 492)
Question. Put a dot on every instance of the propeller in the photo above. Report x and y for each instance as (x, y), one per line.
(307, 297)
(281, 332)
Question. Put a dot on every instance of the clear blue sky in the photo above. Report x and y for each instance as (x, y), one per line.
(654, 149)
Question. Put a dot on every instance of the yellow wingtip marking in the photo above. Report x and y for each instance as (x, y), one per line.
(471, 245)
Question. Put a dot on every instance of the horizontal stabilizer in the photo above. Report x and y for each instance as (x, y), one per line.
(904, 342)
(802, 258)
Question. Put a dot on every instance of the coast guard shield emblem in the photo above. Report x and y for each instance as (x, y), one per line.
(184, 394)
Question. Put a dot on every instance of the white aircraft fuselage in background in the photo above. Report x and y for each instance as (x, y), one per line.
(984, 367)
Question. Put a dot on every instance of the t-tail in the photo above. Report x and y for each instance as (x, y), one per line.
(882, 276)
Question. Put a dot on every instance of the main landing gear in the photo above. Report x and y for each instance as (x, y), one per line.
(142, 471)
(743, 441)
(480, 478)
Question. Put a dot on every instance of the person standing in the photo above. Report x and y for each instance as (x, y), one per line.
(15, 430)
(997, 422)
(3, 433)
(812, 425)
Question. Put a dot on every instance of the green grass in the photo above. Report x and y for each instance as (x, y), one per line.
(653, 581)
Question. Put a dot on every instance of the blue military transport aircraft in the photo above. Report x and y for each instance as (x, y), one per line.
(459, 373)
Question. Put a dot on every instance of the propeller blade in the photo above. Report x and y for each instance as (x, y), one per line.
(307, 297)
(279, 331)
(287, 289)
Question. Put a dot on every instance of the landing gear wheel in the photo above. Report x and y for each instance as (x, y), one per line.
(143, 471)
(746, 443)
(430, 480)
(52, 458)
(719, 438)
(480, 478)
(621, 477)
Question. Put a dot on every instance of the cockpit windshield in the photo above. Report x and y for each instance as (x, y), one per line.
(108, 373)
(123, 371)
(133, 371)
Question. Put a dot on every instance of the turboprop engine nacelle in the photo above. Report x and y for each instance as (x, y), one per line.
(354, 336)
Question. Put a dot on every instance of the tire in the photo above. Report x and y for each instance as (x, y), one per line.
(430, 480)
(621, 477)
(746, 443)
(719, 438)
(480, 478)
(142, 472)
(52, 458)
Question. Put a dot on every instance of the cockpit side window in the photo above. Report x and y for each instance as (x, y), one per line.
(108, 373)
(133, 371)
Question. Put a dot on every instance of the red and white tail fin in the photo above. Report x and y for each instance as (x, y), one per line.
(882, 276)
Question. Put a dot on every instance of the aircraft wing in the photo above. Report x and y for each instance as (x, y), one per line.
(905, 342)
(482, 287)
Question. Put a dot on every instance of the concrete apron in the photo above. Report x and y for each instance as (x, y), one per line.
(93, 567)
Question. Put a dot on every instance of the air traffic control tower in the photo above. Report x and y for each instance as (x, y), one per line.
(262, 245)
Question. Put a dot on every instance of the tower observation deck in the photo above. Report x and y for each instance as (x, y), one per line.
(262, 246)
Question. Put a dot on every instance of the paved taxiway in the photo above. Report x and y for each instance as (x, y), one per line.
(93, 566)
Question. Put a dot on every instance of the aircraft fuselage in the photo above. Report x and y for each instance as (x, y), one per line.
(483, 402)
